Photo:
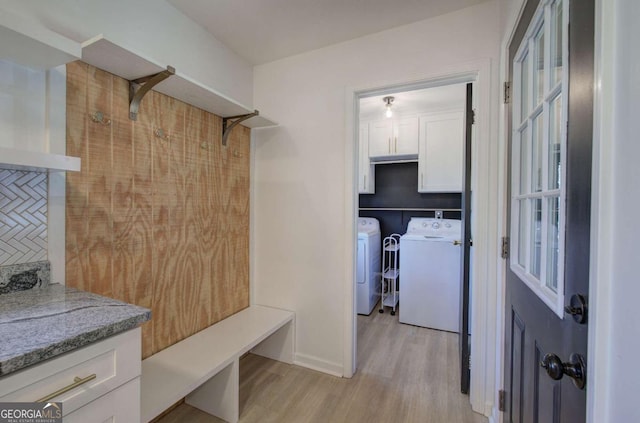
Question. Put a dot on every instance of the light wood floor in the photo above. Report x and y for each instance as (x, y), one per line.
(405, 374)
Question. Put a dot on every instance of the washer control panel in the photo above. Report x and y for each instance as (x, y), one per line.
(368, 224)
(445, 228)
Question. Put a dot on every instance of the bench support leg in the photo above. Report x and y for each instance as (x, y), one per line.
(220, 395)
(278, 346)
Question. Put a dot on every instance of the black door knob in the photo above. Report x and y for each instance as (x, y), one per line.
(577, 308)
(575, 368)
(553, 365)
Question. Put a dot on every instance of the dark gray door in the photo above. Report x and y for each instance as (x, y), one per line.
(549, 214)
(465, 344)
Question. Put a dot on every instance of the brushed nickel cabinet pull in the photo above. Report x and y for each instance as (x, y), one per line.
(76, 382)
(396, 145)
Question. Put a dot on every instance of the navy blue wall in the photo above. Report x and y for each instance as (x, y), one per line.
(397, 187)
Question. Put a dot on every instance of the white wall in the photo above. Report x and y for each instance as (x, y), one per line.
(152, 27)
(615, 288)
(300, 182)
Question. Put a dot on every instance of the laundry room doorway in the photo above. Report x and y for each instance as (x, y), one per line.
(414, 184)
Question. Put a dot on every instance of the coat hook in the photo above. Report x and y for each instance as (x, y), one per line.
(159, 133)
(98, 117)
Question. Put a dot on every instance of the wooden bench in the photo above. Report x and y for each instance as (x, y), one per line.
(203, 368)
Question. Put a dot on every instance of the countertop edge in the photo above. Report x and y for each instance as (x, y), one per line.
(53, 350)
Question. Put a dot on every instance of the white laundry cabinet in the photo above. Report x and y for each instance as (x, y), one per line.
(440, 158)
(394, 139)
(366, 169)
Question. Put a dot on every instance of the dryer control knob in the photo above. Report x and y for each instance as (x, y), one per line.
(435, 225)
(424, 224)
(447, 225)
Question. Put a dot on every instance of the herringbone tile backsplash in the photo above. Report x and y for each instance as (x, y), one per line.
(23, 216)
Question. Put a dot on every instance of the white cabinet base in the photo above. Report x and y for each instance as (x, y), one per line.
(120, 405)
(114, 362)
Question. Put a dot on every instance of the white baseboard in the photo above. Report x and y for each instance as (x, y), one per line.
(496, 416)
(488, 409)
(318, 364)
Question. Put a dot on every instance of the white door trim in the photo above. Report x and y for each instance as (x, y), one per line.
(486, 167)
(599, 354)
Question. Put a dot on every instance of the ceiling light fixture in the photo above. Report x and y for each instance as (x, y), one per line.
(388, 100)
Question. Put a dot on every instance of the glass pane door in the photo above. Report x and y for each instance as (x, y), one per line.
(539, 122)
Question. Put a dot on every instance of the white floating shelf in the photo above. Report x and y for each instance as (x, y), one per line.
(30, 44)
(11, 158)
(128, 64)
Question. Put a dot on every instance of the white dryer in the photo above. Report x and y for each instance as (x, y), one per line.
(368, 265)
(430, 279)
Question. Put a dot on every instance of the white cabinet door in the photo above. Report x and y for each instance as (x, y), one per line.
(395, 139)
(120, 405)
(104, 364)
(405, 139)
(380, 134)
(366, 170)
(440, 157)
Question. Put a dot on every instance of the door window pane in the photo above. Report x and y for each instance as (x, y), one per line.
(538, 69)
(538, 148)
(556, 42)
(536, 238)
(555, 139)
(524, 88)
(524, 160)
(522, 233)
(537, 138)
(553, 243)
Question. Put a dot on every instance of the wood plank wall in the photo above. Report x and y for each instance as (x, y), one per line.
(162, 222)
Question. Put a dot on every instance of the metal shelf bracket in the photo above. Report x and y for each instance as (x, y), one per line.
(228, 126)
(138, 88)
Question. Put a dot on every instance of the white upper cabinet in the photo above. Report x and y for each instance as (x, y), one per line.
(380, 134)
(366, 170)
(32, 95)
(33, 119)
(405, 137)
(440, 164)
(395, 139)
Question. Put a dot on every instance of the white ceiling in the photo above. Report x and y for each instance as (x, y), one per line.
(434, 99)
(265, 30)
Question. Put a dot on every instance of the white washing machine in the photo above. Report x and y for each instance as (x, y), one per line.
(368, 265)
(430, 273)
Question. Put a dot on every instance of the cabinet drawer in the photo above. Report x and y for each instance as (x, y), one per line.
(113, 361)
(119, 405)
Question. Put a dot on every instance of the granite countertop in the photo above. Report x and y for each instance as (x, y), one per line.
(39, 324)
